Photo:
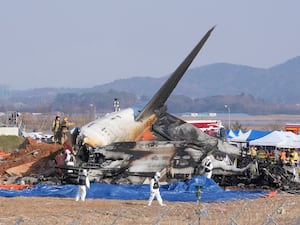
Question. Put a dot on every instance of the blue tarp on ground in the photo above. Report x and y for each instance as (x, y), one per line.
(177, 191)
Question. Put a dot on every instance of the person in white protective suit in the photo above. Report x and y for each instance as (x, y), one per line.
(83, 183)
(154, 190)
(69, 160)
(208, 167)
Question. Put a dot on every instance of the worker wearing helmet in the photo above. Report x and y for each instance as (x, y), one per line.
(294, 158)
(154, 190)
(69, 160)
(208, 167)
(83, 183)
(64, 127)
(56, 129)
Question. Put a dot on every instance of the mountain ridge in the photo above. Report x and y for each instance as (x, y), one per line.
(275, 88)
(224, 79)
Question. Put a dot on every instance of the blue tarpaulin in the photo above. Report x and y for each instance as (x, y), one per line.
(177, 191)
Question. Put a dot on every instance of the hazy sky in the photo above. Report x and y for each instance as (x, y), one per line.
(71, 43)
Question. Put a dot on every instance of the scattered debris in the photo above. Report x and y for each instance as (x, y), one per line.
(178, 153)
(33, 160)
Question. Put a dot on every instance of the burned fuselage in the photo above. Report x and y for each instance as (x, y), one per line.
(109, 147)
(178, 153)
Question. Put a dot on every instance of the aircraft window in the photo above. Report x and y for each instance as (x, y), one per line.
(91, 124)
(113, 118)
(104, 130)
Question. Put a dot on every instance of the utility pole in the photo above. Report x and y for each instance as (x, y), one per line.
(228, 108)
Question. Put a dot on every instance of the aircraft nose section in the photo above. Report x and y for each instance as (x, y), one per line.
(92, 142)
(89, 138)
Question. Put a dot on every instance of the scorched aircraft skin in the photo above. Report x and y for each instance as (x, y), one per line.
(111, 149)
(108, 146)
(123, 125)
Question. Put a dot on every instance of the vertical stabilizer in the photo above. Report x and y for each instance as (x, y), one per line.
(161, 96)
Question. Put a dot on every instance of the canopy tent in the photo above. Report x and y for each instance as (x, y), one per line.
(241, 137)
(276, 138)
(231, 134)
(250, 136)
(291, 142)
(240, 132)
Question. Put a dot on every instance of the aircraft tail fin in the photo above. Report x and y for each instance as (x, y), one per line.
(161, 96)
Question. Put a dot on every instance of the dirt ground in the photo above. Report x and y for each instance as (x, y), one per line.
(31, 159)
(281, 209)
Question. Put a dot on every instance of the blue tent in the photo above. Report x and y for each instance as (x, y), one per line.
(233, 133)
(176, 191)
(250, 135)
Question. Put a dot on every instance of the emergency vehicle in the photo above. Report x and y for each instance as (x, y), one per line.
(211, 127)
(294, 127)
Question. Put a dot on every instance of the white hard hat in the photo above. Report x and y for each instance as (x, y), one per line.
(208, 158)
(83, 172)
(157, 174)
(68, 151)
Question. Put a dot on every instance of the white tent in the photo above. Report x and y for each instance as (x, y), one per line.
(250, 136)
(240, 132)
(242, 137)
(231, 134)
(276, 139)
(290, 142)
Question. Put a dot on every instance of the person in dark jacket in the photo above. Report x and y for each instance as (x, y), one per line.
(56, 129)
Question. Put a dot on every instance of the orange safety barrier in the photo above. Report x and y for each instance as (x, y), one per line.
(4, 155)
(272, 194)
(15, 186)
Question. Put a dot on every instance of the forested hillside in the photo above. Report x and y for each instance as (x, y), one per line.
(204, 89)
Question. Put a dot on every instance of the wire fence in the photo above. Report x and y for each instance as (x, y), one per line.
(264, 211)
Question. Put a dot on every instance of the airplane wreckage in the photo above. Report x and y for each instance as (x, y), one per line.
(113, 151)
